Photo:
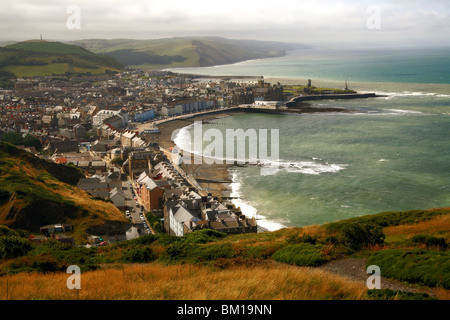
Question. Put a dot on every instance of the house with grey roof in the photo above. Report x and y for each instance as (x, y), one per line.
(178, 216)
(117, 196)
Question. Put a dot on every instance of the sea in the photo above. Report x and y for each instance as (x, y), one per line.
(391, 153)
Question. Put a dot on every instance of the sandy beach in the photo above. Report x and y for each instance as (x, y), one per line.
(212, 177)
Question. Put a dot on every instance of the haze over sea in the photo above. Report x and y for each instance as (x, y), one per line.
(392, 154)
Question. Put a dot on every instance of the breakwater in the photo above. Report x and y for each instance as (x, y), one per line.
(343, 96)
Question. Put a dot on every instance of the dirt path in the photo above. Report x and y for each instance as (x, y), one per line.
(355, 269)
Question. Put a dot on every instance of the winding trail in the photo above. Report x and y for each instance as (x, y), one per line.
(355, 269)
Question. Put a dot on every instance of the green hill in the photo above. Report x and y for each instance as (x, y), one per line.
(35, 192)
(185, 52)
(35, 57)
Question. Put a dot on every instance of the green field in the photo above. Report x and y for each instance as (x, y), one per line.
(183, 52)
(35, 58)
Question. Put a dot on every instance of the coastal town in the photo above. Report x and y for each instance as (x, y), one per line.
(110, 127)
(117, 129)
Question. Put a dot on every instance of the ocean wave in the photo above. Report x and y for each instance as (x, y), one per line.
(305, 167)
(315, 167)
(247, 209)
(419, 94)
(403, 111)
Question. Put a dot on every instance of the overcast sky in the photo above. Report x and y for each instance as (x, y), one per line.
(354, 23)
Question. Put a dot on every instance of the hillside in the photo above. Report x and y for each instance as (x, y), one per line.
(185, 52)
(410, 247)
(35, 192)
(35, 58)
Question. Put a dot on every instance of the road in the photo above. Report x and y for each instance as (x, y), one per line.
(135, 209)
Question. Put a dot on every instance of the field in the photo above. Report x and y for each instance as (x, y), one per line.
(186, 282)
(183, 52)
(33, 58)
(273, 265)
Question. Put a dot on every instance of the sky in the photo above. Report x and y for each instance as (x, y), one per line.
(345, 23)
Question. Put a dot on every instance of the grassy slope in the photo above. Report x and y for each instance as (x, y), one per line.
(203, 266)
(59, 58)
(35, 192)
(201, 51)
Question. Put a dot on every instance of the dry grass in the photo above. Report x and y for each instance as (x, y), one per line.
(437, 226)
(186, 282)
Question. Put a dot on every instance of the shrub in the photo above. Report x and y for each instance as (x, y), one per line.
(303, 254)
(332, 240)
(41, 263)
(13, 246)
(210, 252)
(165, 239)
(260, 251)
(204, 236)
(5, 231)
(358, 235)
(144, 240)
(176, 251)
(184, 251)
(138, 254)
(52, 246)
(294, 239)
(431, 268)
(154, 222)
(388, 294)
(430, 241)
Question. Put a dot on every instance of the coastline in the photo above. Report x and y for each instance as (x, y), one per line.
(213, 177)
(206, 173)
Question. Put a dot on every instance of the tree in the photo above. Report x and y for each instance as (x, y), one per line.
(138, 254)
(358, 235)
(17, 139)
(13, 246)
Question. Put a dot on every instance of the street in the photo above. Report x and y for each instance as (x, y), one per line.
(136, 211)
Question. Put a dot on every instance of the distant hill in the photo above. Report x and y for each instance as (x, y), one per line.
(36, 57)
(185, 52)
(35, 192)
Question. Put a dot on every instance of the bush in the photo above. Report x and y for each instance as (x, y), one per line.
(138, 254)
(303, 254)
(191, 252)
(358, 235)
(204, 236)
(13, 247)
(388, 294)
(86, 258)
(431, 268)
(210, 252)
(294, 239)
(41, 263)
(430, 241)
(154, 222)
(5, 231)
(176, 251)
(52, 246)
